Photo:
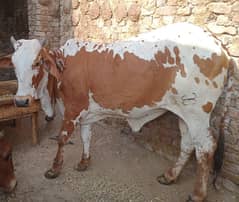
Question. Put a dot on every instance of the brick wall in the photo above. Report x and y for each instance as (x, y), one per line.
(44, 20)
(101, 20)
(13, 21)
(106, 21)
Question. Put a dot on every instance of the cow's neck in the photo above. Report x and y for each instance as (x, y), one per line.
(52, 88)
(53, 85)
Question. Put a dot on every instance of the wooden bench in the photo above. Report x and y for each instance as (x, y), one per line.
(8, 111)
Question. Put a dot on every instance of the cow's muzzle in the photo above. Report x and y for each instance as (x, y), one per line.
(49, 118)
(22, 101)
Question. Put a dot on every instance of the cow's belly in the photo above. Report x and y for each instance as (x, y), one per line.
(136, 117)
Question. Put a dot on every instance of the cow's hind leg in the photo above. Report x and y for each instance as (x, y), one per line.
(86, 137)
(205, 145)
(186, 150)
(65, 134)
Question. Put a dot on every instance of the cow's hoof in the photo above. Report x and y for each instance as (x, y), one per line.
(49, 118)
(163, 180)
(81, 167)
(50, 174)
(190, 199)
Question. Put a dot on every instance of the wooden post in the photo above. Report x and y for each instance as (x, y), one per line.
(34, 128)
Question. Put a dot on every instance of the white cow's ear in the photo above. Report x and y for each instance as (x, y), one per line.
(13, 41)
(44, 43)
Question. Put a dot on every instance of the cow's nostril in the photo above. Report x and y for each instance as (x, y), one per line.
(27, 102)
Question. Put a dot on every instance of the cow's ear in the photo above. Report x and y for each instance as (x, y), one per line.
(49, 63)
(6, 61)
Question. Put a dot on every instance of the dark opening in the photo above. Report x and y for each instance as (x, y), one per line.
(13, 21)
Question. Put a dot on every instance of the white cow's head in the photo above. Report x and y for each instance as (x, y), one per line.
(32, 64)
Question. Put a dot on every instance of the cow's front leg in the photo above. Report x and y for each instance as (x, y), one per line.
(86, 137)
(66, 131)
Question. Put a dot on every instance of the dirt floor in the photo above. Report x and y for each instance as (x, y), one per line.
(121, 169)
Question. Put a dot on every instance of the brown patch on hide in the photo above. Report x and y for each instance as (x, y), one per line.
(225, 80)
(52, 88)
(213, 66)
(178, 62)
(49, 63)
(36, 79)
(116, 82)
(68, 126)
(74, 88)
(198, 189)
(59, 59)
(203, 168)
(174, 91)
(167, 56)
(197, 80)
(207, 107)
(214, 83)
(207, 82)
(6, 166)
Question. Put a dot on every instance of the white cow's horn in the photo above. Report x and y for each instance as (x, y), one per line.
(13, 40)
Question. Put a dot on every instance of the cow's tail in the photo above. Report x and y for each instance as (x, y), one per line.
(233, 74)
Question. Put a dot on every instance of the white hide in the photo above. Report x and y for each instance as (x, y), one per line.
(86, 137)
(60, 106)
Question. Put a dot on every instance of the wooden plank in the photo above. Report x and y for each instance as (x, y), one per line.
(8, 112)
(8, 87)
(7, 73)
(7, 91)
(6, 99)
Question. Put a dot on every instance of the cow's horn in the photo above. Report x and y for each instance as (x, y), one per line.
(44, 42)
(13, 40)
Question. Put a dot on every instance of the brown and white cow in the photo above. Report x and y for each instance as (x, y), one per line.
(179, 68)
(7, 178)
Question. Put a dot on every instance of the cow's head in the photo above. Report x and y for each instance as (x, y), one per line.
(7, 178)
(33, 63)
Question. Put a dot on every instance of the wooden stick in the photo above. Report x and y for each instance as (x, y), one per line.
(34, 128)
